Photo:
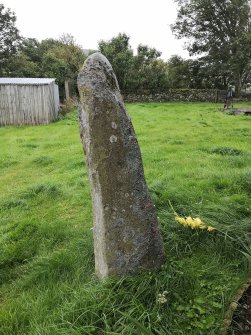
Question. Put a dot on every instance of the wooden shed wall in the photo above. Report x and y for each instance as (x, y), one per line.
(27, 104)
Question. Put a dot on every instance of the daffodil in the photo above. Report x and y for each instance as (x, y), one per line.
(180, 220)
(199, 223)
(193, 223)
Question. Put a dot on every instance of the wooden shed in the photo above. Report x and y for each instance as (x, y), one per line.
(28, 101)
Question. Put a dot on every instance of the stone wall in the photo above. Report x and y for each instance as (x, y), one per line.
(184, 95)
(202, 95)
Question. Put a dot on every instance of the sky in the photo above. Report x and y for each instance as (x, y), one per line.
(89, 21)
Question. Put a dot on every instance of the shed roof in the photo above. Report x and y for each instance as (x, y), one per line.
(26, 81)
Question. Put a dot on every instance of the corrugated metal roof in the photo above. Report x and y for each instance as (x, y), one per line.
(26, 81)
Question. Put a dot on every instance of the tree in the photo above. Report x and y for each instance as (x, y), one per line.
(178, 72)
(135, 73)
(56, 58)
(9, 36)
(193, 73)
(148, 72)
(146, 54)
(120, 55)
(62, 59)
(220, 31)
(27, 61)
(19, 65)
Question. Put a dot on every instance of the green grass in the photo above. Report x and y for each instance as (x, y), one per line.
(195, 157)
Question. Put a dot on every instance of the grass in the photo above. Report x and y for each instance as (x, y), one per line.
(195, 157)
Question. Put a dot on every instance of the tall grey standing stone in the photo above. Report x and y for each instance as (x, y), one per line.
(126, 233)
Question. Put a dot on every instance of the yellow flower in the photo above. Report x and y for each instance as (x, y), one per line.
(200, 224)
(189, 221)
(180, 220)
(198, 221)
(193, 223)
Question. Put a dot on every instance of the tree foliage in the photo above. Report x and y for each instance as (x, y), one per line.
(62, 59)
(9, 36)
(120, 54)
(220, 31)
(143, 71)
(54, 58)
(148, 71)
(178, 72)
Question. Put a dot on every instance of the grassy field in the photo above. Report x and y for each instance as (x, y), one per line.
(196, 159)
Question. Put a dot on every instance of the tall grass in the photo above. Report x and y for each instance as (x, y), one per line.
(195, 157)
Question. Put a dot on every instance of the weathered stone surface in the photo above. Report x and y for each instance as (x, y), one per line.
(126, 233)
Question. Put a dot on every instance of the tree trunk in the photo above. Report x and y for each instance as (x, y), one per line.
(238, 85)
(67, 90)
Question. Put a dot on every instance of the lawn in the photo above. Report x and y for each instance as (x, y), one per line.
(197, 163)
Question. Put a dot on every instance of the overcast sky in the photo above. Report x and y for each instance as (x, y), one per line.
(89, 21)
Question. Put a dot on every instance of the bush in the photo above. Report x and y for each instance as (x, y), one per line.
(68, 105)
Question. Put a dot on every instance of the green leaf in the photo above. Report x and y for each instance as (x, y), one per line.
(200, 300)
(216, 305)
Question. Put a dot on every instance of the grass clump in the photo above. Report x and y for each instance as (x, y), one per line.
(47, 279)
(47, 189)
(29, 145)
(245, 182)
(43, 160)
(226, 151)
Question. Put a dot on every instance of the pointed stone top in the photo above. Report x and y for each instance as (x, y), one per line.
(97, 73)
(98, 57)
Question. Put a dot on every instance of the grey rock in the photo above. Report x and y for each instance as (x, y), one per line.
(127, 238)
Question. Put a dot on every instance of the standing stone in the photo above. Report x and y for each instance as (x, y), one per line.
(126, 233)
